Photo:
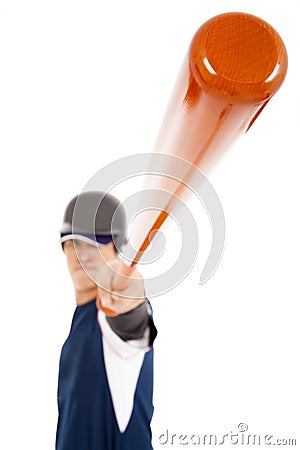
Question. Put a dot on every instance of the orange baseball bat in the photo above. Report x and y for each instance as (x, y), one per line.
(236, 62)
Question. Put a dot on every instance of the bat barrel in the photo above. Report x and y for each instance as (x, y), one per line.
(235, 64)
(237, 56)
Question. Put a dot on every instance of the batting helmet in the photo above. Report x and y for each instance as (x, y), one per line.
(95, 217)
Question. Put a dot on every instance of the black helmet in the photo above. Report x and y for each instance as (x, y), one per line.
(95, 217)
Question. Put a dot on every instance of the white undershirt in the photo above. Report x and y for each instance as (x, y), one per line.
(123, 361)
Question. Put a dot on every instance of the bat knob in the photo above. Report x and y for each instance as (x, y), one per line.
(108, 312)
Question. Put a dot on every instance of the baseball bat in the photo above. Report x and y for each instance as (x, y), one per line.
(236, 62)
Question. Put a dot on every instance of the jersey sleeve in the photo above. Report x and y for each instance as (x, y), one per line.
(133, 325)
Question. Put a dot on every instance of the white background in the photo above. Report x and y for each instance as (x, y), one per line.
(84, 83)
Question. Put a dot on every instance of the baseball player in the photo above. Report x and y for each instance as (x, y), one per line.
(105, 382)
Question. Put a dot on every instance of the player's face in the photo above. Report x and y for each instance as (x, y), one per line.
(85, 260)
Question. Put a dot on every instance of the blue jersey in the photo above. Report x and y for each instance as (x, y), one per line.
(87, 419)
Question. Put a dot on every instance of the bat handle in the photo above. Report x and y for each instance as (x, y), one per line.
(123, 270)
